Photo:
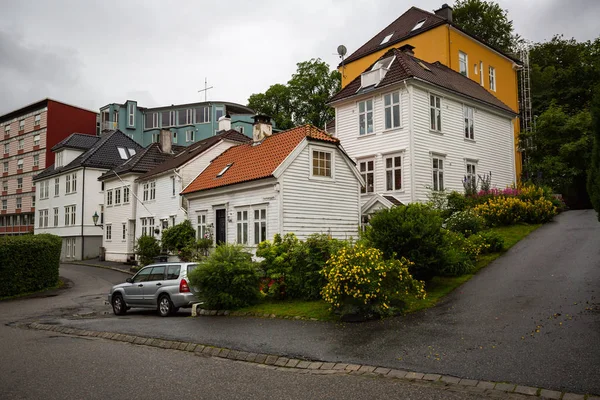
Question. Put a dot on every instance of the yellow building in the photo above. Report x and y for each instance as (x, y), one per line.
(436, 38)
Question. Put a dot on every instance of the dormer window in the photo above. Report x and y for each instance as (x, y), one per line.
(220, 174)
(377, 72)
(131, 151)
(123, 153)
(419, 25)
(387, 38)
(59, 159)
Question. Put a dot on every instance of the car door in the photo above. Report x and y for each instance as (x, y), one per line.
(171, 284)
(155, 281)
(133, 292)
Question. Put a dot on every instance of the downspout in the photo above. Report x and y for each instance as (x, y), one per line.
(411, 138)
(82, 213)
(450, 49)
(180, 203)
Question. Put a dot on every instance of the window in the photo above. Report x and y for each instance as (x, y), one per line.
(37, 120)
(109, 197)
(152, 190)
(435, 103)
(189, 136)
(124, 231)
(19, 183)
(126, 195)
(492, 78)
(365, 117)
(392, 110)
(469, 126)
(56, 216)
(108, 232)
(22, 125)
(418, 25)
(32, 201)
(122, 153)
(4, 186)
(367, 169)
(174, 137)
(56, 186)
(21, 144)
(5, 167)
(387, 38)
(463, 63)
(4, 205)
(260, 226)
(20, 163)
(6, 148)
(471, 174)
(19, 203)
(45, 189)
(151, 226)
(70, 247)
(173, 272)
(219, 112)
(43, 218)
(202, 115)
(36, 160)
(118, 196)
(145, 193)
(69, 215)
(73, 182)
(173, 186)
(155, 137)
(59, 159)
(173, 217)
(393, 173)
(481, 73)
(202, 228)
(242, 227)
(7, 129)
(144, 226)
(240, 129)
(220, 174)
(151, 121)
(185, 117)
(321, 165)
(438, 173)
(168, 118)
(68, 184)
(131, 112)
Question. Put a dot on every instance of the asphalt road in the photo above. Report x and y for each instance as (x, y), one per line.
(532, 317)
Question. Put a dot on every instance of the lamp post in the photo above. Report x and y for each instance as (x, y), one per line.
(95, 219)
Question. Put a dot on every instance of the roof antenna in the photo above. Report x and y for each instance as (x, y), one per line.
(341, 50)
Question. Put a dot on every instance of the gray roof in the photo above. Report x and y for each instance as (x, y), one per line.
(103, 154)
(79, 141)
(150, 157)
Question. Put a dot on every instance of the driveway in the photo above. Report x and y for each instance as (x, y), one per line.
(531, 317)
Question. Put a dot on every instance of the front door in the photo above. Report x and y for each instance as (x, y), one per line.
(131, 237)
(220, 234)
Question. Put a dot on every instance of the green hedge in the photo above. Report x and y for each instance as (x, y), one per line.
(28, 263)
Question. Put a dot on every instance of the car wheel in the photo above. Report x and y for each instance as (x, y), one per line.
(118, 305)
(165, 307)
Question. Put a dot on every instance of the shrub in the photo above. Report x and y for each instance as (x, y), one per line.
(540, 212)
(147, 248)
(361, 281)
(511, 210)
(493, 240)
(28, 263)
(196, 250)
(465, 222)
(456, 202)
(227, 279)
(414, 232)
(176, 238)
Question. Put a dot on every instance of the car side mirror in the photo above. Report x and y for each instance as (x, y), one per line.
(129, 280)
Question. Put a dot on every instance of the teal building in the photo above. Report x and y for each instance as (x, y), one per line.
(189, 123)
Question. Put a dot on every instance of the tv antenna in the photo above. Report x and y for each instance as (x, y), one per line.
(205, 90)
(341, 51)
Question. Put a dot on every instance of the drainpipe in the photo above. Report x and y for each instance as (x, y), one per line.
(82, 213)
(411, 138)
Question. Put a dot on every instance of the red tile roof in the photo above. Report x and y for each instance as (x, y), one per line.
(255, 161)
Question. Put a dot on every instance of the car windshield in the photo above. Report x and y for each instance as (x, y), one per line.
(191, 267)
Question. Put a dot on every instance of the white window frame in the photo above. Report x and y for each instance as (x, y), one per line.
(22, 124)
(145, 192)
(4, 186)
(151, 225)
(6, 148)
(37, 120)
(242, 226)
(389, 105)
(202, 226)
(59, 159)
(189, 135)
(131, 113)
(260, 222)
(56, 216)
(469, 122)
(152, 190)
(20, 183)
(364, 162)
(20, 163)
(386, 39)
(20, 144)
(437, 172)
(36, 160)
(492, 73)
(364, 115)
(68, 184)
(126, 191)
(394, 170)
(4, 204)
(19, 204)
(56, 187)
(435, 112)
(463, 63)
(144, 222)
(471, 171)
(70, 247)
(118, 196)
(7, 129)
(124, 231)
(5, 166)
(317, 151)
(108, 232)
(109, 198)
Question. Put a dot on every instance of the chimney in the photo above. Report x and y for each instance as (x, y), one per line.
(165, 140)
(408, 49)
(445, 12)
(225, 123)
(262, 127)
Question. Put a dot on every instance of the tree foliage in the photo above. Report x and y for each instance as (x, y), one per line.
(303, 100)
(593, 182)
(179, 236)
(487, 21)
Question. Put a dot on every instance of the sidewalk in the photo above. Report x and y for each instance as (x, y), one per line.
(95, 262)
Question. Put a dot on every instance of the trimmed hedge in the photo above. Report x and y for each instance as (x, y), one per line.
(28, 263)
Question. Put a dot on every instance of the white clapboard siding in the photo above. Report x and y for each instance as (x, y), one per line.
(116, 215)
(193, 168)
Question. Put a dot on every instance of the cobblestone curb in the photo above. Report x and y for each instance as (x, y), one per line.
(276, 362)
(202, 312)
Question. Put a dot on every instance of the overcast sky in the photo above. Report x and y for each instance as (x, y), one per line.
(91, 53)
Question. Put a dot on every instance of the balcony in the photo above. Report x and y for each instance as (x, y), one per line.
(109, 126)
(372, 78)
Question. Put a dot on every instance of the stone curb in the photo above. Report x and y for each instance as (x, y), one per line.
(276, 362)
(203, 312)
(99, 266)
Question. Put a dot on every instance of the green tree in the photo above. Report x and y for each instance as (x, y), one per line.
(303, 100)
(179, 236)
(487, 21)
(593, 182)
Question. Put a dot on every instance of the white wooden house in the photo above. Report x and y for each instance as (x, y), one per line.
(413, 127)
(299, 181)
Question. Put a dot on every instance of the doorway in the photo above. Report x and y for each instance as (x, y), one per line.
(220, 234)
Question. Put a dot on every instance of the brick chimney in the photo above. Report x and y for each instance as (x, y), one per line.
(262, 127)
(165, 140)
(408, 49)
(445, 12)
(225, 123)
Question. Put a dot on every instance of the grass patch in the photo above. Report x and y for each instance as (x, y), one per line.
(440, 286)
(293, 308)
(59, 285)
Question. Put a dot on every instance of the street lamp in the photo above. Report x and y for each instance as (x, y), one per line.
(95, 219)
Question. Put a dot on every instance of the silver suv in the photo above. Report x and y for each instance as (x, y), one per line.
(163, 286)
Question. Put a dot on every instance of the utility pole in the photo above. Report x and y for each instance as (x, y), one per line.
(205, 90)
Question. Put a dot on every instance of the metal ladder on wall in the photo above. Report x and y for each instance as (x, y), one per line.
(525, 102)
